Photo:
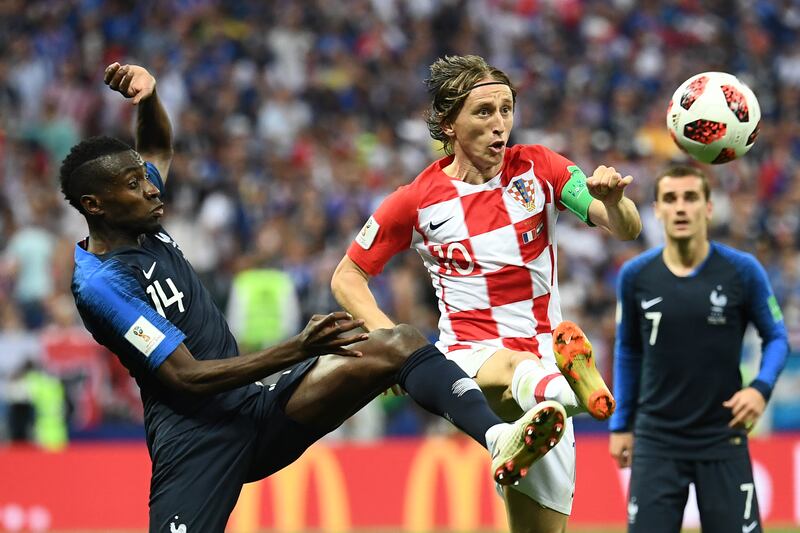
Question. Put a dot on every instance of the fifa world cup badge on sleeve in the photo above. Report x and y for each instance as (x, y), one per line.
(366, 236)
(144, 336)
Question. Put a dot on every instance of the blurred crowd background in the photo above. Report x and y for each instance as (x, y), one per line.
(294, 119)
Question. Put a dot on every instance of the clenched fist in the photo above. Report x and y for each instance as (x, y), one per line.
(607, 185)
(131, 81)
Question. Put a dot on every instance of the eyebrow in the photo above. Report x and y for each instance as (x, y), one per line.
(123, 172)
(486, 100)
(684, 193)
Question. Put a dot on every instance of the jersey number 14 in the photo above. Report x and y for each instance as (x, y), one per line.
(160, 298)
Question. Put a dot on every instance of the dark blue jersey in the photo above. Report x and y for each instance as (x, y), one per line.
(678, 350)
(141, 302)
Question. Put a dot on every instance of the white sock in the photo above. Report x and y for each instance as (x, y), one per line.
(533, 383)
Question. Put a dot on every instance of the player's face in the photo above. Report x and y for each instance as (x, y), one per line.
(130, 202)
(481, 129)
(683, 208)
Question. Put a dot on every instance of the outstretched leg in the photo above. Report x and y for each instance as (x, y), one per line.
(519, 380)
(337, 387)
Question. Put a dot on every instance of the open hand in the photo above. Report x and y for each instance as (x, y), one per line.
(607, 185)
(131, 81)
(324, 335)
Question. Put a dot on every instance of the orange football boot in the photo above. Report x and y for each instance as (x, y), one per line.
(573, 353)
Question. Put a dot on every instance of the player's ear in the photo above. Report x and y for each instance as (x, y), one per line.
(91, 205)
(709, 209)
(447, 129)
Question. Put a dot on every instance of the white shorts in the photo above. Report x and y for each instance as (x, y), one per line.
(471, 359)
(551, 479)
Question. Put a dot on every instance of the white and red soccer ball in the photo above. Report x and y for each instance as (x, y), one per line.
(714, 117)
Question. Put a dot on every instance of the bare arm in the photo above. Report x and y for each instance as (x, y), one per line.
(610, 209)
(322, 335)
(350, 286)
(153, 128)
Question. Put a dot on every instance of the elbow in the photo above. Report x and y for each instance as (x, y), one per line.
(188, 382)
(637, 228)
(337, 286)
(164, 151)
(632, 232)
(345, 278)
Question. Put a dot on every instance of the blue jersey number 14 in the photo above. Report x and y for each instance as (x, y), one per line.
(160, 298)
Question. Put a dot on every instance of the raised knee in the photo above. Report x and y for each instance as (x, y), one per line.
(409, 336)
(503, 365)
(497, 374)
(400, 341)
(515, 358)
(407, 339)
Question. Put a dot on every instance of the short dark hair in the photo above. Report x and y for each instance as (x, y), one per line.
(73, 186)
(451, 79)
(682, 171)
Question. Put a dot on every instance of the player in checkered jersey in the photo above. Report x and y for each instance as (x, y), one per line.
(483, 221)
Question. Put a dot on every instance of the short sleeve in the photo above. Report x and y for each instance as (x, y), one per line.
(387, 232)
(567, 179)
(116, 308)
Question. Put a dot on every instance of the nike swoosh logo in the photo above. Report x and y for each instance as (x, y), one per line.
(750, 527)
(437, 226)
(149, 273)
(647, 304)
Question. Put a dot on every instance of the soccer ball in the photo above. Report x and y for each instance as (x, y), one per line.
(714, 117)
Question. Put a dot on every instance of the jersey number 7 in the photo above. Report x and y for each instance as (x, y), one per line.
(655, 316)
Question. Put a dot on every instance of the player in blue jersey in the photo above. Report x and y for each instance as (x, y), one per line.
(684, 308)
(211, 425)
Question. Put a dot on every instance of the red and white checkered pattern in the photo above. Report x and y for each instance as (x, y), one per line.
(493, 288)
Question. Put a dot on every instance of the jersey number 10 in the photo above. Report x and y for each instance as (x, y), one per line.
(446, 254)
(160, 298)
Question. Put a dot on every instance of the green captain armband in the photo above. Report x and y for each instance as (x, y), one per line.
(575, 196)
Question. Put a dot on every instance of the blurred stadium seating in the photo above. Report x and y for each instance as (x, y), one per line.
(297, 118)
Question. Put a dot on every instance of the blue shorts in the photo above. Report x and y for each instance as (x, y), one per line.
(197, 476)
(659, 490)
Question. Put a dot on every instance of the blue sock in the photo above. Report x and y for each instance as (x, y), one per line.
(441, 387)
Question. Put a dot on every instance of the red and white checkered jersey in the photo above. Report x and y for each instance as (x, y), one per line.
(490, 249)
